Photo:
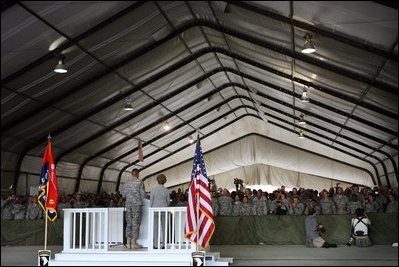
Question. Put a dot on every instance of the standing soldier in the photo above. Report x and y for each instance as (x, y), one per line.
(354, 204)
(237, 205)
(259, 204)
(225, 203)
(341, 201)
(370, 204)
(6, 207)
(215, 205)
(248, 194)
(296, 207)
(33, 211)
(63, 204)
(246, 207)
(360, 196)
(134, 193)
(327, 205)
(18, 209)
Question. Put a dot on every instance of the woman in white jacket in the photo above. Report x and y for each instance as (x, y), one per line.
(159, 197)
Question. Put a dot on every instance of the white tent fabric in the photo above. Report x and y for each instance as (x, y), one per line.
(250, 158)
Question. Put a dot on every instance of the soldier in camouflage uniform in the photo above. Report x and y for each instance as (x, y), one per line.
(63, 204)
(215, 205)
(371, 205)
(360, 196)
(246, 207)
(327, 205)
(80, 203)
(248, 194)
(296, 207)
(6, 207)
(33, 210)
(392, 205)
(225, 203)
(18, 209)
(259, 204)
(237, 206)
(341, 201)
(354, 204)
(134, 193)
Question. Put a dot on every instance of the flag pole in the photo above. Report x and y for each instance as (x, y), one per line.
(45, 230)
(45, 214)
(198, 198)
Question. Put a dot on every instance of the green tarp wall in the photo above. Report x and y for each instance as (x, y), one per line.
(245, 230)
(290, 230)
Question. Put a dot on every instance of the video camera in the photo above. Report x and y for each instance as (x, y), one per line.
(238, 182)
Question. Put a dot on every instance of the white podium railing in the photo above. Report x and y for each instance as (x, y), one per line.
(92, 229)
(166, 230)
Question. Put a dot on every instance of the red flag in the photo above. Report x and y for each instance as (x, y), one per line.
(48, 187)
(141, 156)
(199, 228)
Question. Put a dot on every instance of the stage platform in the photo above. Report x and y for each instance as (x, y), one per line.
(254, 255)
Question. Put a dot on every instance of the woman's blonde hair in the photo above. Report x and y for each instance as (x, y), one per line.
(161, 178)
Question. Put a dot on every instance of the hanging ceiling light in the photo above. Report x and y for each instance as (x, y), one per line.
(308, 47)
(128, 104)
(302, 120)
(191, 139)
(166, 126)
(60, 68)
(304, 97)
(300, 135)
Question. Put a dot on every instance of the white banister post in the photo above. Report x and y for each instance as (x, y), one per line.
(67, 230)
(150, 229)
(173, 239)
(159, 229)
(165, 229)
(74, 230)
(94, 230)
(80, 229)
(106, 229)
(87, 230)
(100, 231)
(179, 231)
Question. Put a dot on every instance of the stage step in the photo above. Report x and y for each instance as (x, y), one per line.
(220, 262)
(134, 258)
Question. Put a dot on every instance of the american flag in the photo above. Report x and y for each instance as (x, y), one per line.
(48, 187)
(199, 189)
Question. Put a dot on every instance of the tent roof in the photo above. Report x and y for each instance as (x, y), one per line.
(197, 65)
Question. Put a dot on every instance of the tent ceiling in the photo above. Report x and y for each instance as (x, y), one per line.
(197, 65)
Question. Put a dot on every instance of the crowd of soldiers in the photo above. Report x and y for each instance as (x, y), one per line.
(15, 207)
(300, 201)
(240, 202)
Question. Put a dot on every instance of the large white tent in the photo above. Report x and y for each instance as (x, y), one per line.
(234, 71)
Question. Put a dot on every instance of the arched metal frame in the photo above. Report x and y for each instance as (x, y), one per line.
(226, 31)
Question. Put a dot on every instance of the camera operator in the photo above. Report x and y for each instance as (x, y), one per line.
(313, 230)
(359, 232)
